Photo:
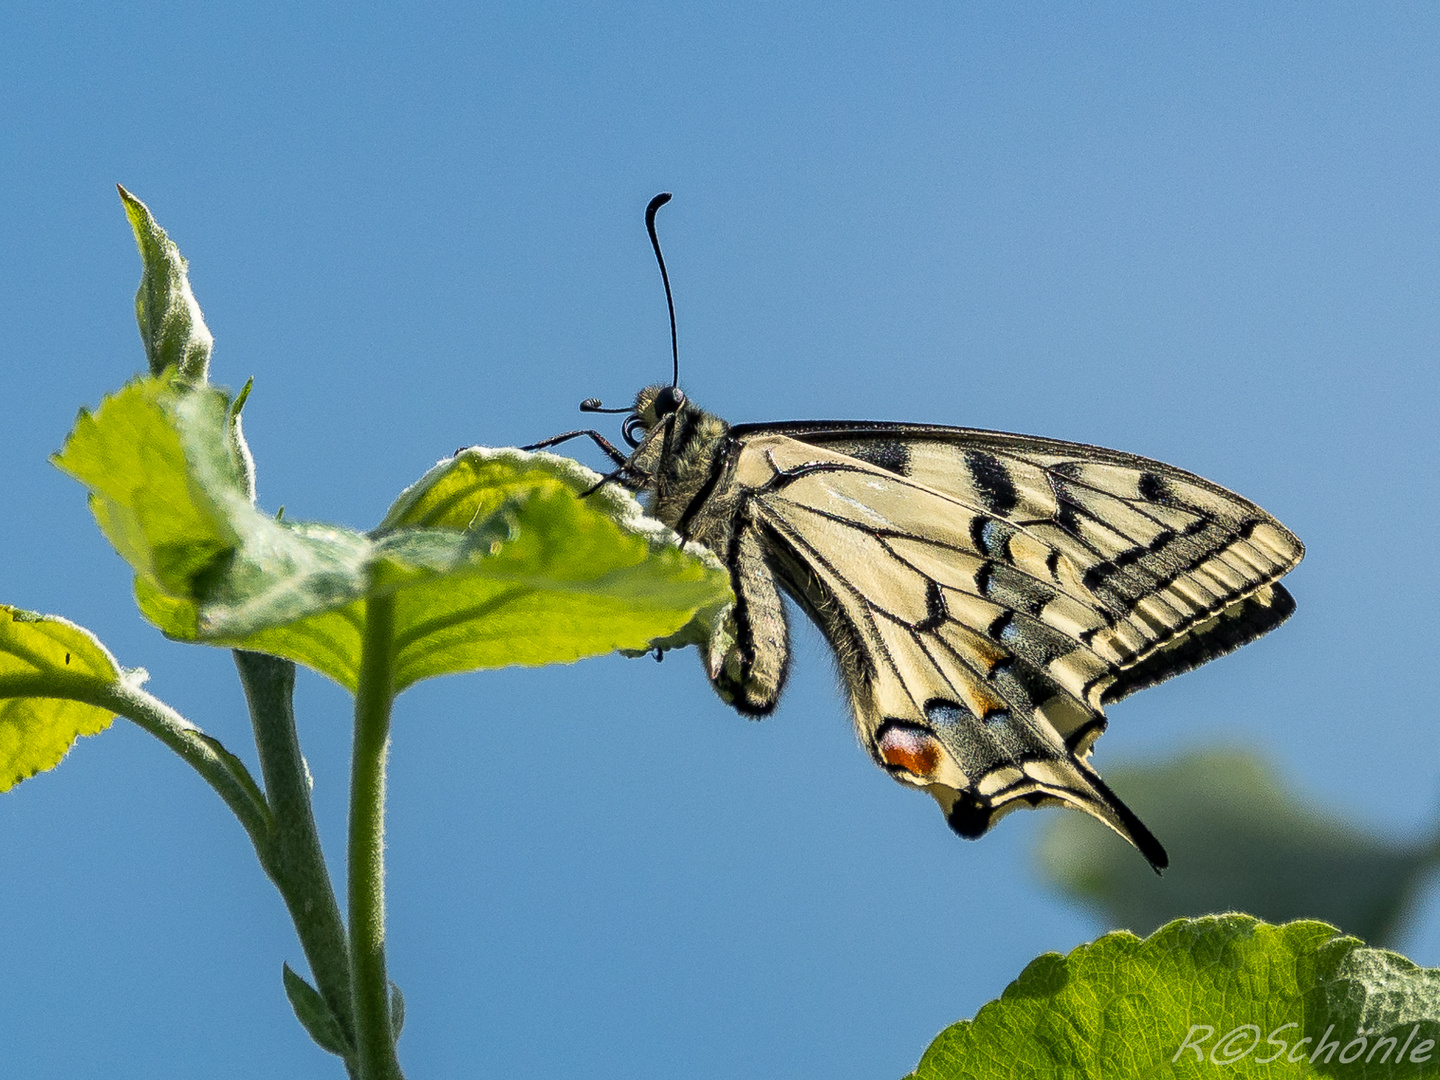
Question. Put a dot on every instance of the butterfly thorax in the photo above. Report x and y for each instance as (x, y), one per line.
(680, 462)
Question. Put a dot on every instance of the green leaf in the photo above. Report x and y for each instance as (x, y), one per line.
(41, 656)
(171, 326)
(555, 578)
(1238, 841)
(1220, 996)
(314, 1015)
(165, 513)
(492, 557)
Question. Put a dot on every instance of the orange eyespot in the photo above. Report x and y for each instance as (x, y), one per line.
(911, 749)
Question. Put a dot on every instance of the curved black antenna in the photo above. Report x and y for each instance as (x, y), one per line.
(655, 204)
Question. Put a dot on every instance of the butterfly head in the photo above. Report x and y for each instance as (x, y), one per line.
(653, 406)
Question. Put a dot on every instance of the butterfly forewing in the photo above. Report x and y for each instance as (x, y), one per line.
(1152, 551)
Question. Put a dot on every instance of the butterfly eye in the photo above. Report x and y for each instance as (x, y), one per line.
(668, 401)
(631, 426)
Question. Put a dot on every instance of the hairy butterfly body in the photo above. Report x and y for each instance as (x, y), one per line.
(986, 595)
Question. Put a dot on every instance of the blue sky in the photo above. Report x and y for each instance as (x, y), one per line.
(1208, 234)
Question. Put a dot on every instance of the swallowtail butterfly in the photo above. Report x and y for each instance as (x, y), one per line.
(986, 594)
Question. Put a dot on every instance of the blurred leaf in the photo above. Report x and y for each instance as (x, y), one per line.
(1238, 841)
(493, 558)
(171, 326)
(40, 653)
(314, 1015)
(1226, 991)
(397, 1012)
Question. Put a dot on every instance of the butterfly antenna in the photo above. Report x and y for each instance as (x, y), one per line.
(591, 404)
(655, 204)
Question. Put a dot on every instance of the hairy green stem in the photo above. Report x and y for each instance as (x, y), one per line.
(293, 859)
(374, 1040)
(217, 766)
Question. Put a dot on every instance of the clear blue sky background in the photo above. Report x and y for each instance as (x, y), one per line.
(1208, 234)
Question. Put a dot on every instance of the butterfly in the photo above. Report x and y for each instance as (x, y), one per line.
(986, 595)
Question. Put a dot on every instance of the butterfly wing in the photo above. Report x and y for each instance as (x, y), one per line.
(988, 594)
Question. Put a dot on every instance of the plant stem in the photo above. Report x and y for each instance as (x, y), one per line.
(374, 1041)
(293, 859)
(219, 768)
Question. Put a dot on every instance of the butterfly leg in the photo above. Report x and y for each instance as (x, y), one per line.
(627, 476)
(599, 440)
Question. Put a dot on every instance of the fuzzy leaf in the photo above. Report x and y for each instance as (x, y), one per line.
(560, 578)
(171, 326)
(314, 1015)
